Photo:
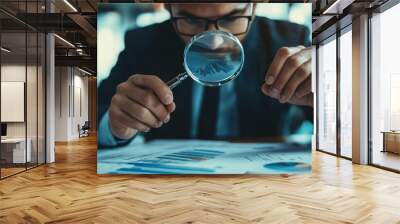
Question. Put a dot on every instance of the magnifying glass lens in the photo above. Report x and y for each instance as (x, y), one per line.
(214, 58)
(211, 58)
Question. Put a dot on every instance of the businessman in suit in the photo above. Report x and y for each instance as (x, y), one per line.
(271, 96)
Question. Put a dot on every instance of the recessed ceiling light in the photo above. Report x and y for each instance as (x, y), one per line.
(337, 7)
(70, 5)
(84, 71)
(65, 41)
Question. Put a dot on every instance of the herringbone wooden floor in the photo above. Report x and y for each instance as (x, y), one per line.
(70, 191)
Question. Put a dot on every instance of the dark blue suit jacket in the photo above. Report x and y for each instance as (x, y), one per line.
(158, 50)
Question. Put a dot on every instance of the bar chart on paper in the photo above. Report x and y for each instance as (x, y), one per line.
(205, 157)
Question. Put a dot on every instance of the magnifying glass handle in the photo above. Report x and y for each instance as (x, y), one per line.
(177, 80)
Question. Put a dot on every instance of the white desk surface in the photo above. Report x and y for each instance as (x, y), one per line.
(13, 140)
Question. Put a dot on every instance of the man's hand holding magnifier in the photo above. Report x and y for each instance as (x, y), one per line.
(139, 104)
(288, 78)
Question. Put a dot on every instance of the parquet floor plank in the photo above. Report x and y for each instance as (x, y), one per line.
(70, 191)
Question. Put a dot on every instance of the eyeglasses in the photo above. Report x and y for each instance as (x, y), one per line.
(190, 26)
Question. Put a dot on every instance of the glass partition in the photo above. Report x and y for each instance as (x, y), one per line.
(32, 98)
(22, 88)
(14, 151)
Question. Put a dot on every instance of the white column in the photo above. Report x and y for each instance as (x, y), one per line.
(314, 90)
(50, 92)
(360, 90)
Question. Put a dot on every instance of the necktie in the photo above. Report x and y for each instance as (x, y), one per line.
(208, 113)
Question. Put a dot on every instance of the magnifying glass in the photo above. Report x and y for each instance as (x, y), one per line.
(211, 58)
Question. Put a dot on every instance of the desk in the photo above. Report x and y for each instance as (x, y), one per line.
(205, 157)
(391, 141)
(13, 150)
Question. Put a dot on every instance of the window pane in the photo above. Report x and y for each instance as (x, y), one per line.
(385, 89)
(346, 94)
(327, 97)
(31, 97)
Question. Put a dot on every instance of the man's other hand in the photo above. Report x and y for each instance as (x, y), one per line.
(288, 78)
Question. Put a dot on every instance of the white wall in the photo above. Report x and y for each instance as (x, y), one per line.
(80, 100)
(71, 93)
(12, 101)
(61, 103)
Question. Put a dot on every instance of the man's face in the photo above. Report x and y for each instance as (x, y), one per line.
(233, 18)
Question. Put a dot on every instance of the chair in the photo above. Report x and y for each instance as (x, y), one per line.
(84, 129)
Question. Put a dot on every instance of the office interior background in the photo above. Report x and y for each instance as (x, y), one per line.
(48, 97)
(357, 87)
(48, 82)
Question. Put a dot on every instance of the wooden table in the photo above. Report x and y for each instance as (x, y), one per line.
(391, 141)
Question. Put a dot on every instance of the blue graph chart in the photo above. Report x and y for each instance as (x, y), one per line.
(205, 157)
